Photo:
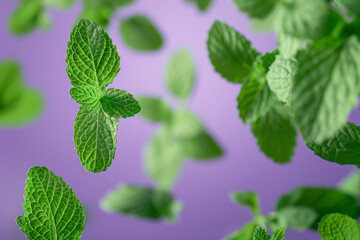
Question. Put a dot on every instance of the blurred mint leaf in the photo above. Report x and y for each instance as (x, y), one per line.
(343, 148)
(140, 33)
(330, 93)
(289, 46)
(276, 134)
(101, 14)
(351, 185)
(256, 8)
(299, 218)
(246, 233)
(51, 208)
(230, 53)
(279, 234)
(154, 109)
(337, 226)
(60, 4)
(322, 200)
(44, 21)
(249, 199)
(350, 5)
(180, 74)
(202, 5)
(186, 125)
(141, 202)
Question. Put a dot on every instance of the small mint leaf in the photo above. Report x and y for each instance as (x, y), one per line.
(338, 226)
(87, 95)
(154, 109)
(202, 5)
(256, 8)
(246, 233)
(186, 125)
(249, 199)
(261, 234)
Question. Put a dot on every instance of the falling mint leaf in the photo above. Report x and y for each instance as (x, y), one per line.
(202, 5)
(249, 199)
(61, 4)
(140, 33)
(350, 5)
(256, 8)
(300, 218)
(154, 109)
(51, 208)
(186, 125)
(246, 233)
(337, 226)
(101, 14)
(351, 185)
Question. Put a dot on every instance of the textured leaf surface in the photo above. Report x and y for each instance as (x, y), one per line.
(139, 33)
(281, 77)
(141, 202)
(92, 59)
(186, 125)
(255, 8)
(246, 233)
(180, 75)
(300, 218)
(202, 5)
(95, 138)
(276, 134)
(261, 234)
(249, 199)
(51, 209)
(339, 227)
(119, 103)
(230, 53)
(87, 95)
(326, 87)
(154, 109)
(279, 234)
(343, 148)
(322, 200)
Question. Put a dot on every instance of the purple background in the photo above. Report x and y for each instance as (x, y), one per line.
(204, 188)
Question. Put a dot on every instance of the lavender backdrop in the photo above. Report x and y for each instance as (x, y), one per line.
(204, 188)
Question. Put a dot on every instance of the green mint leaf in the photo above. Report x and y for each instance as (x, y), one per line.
(25, 18)
(337, 226)
(141, 202)
(351, 185)
(202, 5)
(109, 3)
(289, 46)
(101, 14)
(299, 218)
(61, 4)
(350, 5)
(164, 164)
(180, 74)
(322, 200)
(203, 147)
(246, 233)
(302, 19)
(230, 53)
(249, 199)
(256, 8)
(279, 234)
(154, 109)
(276, 134)
(19, 105)
(44, 21)
(280, 77)
(119, 103)
(261, 234)
(92, 59)
(95, 138)
(51, 208)
(330, 94)
(139, 33)
(343, 148)
(186, 125)
(87, 95)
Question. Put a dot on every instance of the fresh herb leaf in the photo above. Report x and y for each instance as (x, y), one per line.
(202, 5)
(155, 109)
(351, 185)
(299, 218)
(101, 14)
(279, 234)
(87, 95)
(140, 33)
(338, 226)
(246, 233)
(186, 125)
(261, 234)
(350, 5)
(289, 46)
(60, 4)
(256, 8)
(249, 199)
(230, 53)
(51, 208)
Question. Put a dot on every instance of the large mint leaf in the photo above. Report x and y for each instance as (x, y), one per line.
(92, 59)
(180, 74)
(95, 138)
(322, 200)
(300, 218)
(343, 148)
(230, 53)
(339, 227)
(249, 199)
(140, 33)
(246, 233)
(119, 103)
(186, 125)
(202, 5)
(256, 8)
(154, 109)
(141, 202)
(276, 134)
(326, 87)
(51, 208)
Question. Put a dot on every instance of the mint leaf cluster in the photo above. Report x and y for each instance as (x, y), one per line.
(51, 208)
(92, 64)
(19, 104)
(181, 136)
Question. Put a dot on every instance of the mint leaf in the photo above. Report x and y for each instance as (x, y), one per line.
(92, 59)
(101, 14)
(202, 147)
(338, 226)
(139, 33)
(246, 233)
(302, 19)
(154, 109)
(289, 46)
(180, 74)
(61, 4)
(230, 53)
(141, 202)
(45, 21)
(322, 200)
(249, 199)
(109, 3)
(281, 77)
(279, 234)
(300, 218)
(164, 164)
(330, 94)
(51, 208)
(256, 8)
(186, 125)
(276, 134)
(261, 234)
(87, 95)
(350, 5)
(351, 185)
(119, 103)
(202, 5)
(343, 148)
